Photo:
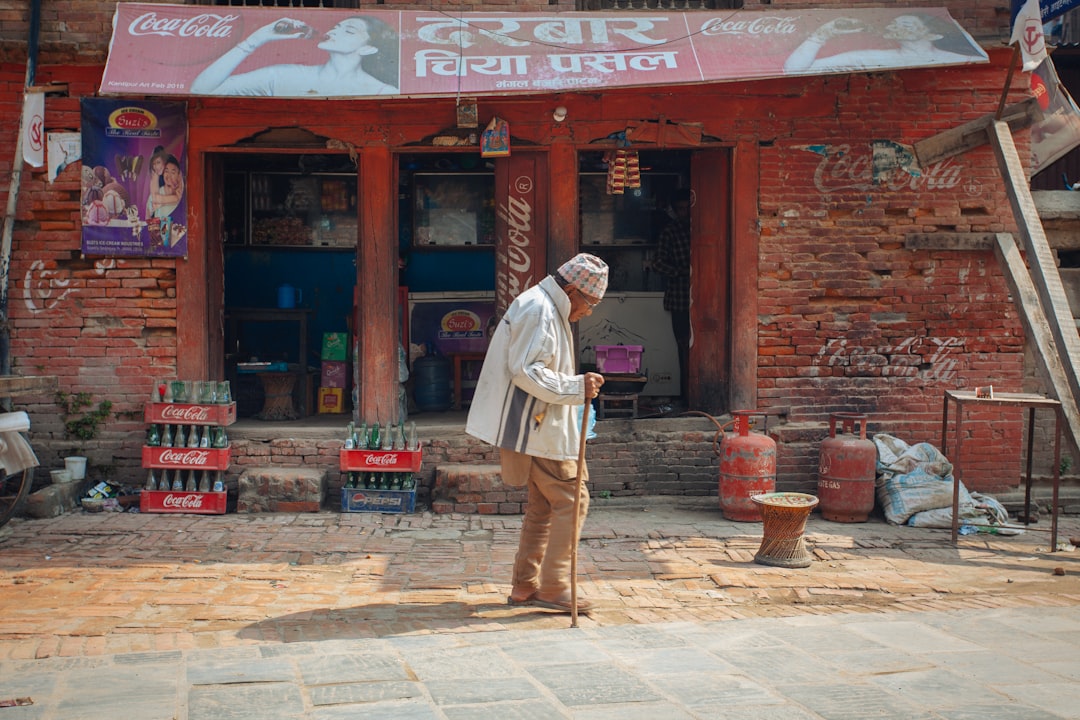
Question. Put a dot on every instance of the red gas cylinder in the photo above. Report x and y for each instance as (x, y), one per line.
(747, 468)
(846, 471)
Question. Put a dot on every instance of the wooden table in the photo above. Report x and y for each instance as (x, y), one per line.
(236, 317)
(459, 360)
(1030, 401)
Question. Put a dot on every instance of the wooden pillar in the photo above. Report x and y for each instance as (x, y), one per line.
(744, 275)
(376, 369)
(192, 289)
(564, 210)
(710, 281)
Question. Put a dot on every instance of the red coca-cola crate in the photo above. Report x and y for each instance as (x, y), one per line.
(177, 501)
(186, 458)
(187, 414)
(381, 460)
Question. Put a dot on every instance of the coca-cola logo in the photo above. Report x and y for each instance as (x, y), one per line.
(190, 501)
(851, 167)
(205, 25)
(515, 254)
(185, 413)
(186, 457)
(766, 25)
(386, 460)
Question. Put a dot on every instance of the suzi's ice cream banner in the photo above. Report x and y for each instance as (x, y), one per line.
(169, 49)
(133, 178)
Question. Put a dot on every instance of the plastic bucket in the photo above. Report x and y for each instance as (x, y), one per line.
(76, 465)
(60, 476)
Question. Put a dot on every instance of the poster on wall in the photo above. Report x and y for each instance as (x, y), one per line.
(133, 178)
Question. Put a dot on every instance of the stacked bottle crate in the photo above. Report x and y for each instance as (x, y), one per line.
(187, 451)
(378, 466)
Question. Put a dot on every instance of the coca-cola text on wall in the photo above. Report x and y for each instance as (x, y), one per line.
(515, 256)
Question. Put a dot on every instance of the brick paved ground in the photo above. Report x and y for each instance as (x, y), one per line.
(109, 583)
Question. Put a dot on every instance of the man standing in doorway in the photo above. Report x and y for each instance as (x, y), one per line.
(525, 405)
(673, 262)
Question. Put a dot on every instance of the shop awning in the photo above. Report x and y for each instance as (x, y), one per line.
(165, 49)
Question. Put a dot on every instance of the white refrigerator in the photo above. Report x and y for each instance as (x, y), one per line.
(635, 318)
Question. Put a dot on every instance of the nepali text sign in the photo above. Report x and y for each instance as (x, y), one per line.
(166, 49)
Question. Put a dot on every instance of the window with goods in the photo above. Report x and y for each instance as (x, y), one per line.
(187, 450)
(379, 466)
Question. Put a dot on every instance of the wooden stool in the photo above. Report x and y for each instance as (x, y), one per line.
(612, 405)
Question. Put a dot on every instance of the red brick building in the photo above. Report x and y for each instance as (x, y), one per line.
(809, 296)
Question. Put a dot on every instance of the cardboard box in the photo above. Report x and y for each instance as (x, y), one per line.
(335, 373)
(381, 501)
(335, 346)
(331, 400)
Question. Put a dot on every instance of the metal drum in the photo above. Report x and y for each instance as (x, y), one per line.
(747, 468)
(846, 471)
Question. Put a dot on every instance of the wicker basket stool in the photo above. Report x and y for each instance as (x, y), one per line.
(783, 519)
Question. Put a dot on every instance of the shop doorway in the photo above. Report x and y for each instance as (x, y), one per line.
(630, 335)
(289, 236)
(446, 243)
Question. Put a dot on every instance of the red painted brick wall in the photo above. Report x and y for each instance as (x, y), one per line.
(849, 319)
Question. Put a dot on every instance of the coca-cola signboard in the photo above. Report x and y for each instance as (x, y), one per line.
(381, 460)
(174, 49)
(171, 501)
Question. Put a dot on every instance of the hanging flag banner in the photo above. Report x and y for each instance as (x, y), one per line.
(169, 49)
(1027, 33)
(1058, 131)
(33, 127)
(133, 165)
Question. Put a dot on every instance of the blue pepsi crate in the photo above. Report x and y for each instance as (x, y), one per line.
(380, 501)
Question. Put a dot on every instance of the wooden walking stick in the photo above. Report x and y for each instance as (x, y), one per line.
(577, 513)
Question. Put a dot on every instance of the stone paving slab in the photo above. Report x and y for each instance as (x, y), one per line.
(333, 615)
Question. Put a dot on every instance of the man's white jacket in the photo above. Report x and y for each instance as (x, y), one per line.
(528, 387)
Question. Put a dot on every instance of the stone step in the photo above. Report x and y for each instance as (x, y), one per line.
(281, 489)
(475, 489)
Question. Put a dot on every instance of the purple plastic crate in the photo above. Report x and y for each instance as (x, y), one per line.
(622, 359)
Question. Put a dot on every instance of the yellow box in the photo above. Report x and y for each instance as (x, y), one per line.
(331, 400)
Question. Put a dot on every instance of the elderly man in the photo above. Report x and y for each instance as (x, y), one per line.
(525, 404)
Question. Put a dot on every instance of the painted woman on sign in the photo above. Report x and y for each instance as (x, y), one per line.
(916, 40)
(362, 61)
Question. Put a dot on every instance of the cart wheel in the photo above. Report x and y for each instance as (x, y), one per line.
(13, 492)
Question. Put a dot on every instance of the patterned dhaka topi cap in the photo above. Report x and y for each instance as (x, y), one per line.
(587, 273)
